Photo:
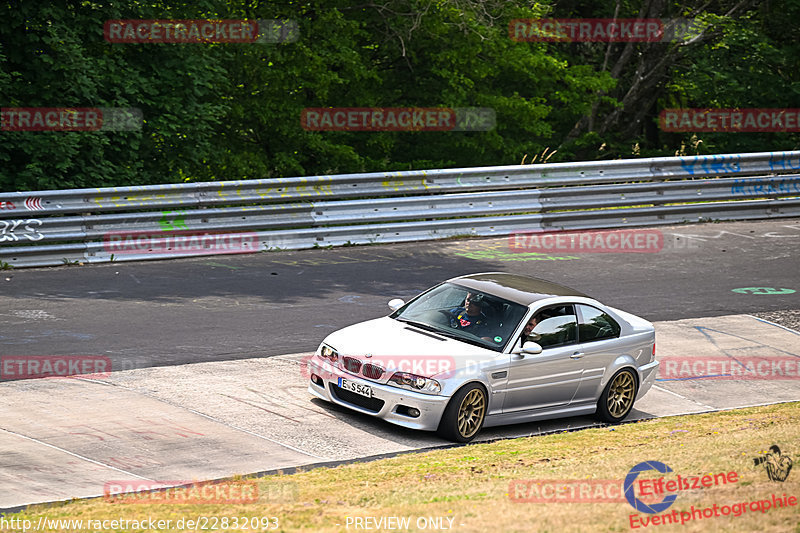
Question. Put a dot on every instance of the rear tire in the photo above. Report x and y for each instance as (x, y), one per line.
(464, 415)
(617, 399)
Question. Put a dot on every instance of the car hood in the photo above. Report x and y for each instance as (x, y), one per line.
(395, 345)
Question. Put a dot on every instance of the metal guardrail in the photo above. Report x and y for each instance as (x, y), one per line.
(44, 228)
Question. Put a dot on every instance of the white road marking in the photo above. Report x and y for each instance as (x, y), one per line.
(208, 417)
(685, 398)
(37, 441)
(774, 324)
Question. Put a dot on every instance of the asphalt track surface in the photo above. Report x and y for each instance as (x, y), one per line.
(241, 409)
(72, 438)
(228, 307)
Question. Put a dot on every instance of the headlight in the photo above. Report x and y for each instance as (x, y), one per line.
(329, 353)
(415, 382)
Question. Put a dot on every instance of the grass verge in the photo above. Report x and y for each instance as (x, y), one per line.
(466, 489)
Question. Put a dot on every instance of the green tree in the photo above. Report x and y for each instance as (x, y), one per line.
(398, 54)
(54, 55)
(734, 53)
(232, 111)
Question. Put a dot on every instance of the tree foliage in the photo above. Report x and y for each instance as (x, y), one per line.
(232, 111)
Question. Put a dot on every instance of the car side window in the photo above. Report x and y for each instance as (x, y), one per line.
(557, 327)
(596, 325)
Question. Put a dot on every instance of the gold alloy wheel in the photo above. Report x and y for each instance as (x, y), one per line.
(470, 413)
(620, 394)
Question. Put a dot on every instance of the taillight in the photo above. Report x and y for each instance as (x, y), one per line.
(653, 357)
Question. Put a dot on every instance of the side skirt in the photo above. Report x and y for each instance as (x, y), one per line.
(538, 414)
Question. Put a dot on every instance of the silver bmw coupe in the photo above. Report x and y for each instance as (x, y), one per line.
(486, 350)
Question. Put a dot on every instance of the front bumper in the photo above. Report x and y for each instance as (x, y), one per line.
(389, 403)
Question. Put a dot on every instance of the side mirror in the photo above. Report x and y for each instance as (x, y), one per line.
(396, 304)
(528, 348)
(532, 348)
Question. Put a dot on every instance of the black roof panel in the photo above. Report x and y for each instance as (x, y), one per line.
(514, 287)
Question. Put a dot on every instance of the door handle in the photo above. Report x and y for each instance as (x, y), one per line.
(577, 355)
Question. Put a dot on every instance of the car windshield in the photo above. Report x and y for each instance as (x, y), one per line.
(471, 316)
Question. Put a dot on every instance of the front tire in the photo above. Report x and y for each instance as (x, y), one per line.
(617, 399)
(464, 415)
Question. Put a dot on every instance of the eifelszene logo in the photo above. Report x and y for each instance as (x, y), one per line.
(663, 485)
(630, 495)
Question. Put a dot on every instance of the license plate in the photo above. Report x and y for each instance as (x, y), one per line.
(358, 388)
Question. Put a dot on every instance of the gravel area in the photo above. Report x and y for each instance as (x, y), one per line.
(790, 318)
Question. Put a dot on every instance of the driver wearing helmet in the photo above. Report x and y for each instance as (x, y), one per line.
(471, 317)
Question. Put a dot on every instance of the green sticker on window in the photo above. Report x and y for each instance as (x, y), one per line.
(498, 339)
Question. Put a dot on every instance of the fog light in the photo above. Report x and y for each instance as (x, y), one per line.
(405, 410)
(316, 380)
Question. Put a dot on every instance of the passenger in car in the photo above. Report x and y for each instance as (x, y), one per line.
(528, 329)
(538, 318)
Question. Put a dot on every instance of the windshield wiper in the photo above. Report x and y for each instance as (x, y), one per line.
(455, 334)
(469, 339)
(420, 325)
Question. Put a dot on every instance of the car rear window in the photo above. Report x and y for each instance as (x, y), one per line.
(596, 325)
